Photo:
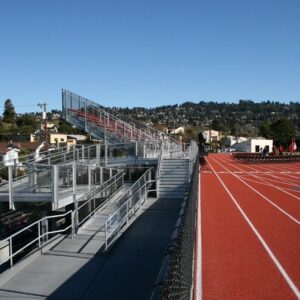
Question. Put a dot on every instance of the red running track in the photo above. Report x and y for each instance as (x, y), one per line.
(250, 230)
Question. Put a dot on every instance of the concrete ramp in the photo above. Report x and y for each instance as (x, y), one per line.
(79, 269)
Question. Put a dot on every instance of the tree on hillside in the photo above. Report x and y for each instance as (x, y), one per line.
(26, 120)
(265, 130)
(26, 124)
(283, 131)
(234, 127)
(66, 128)
(9, 113)
(216, 124)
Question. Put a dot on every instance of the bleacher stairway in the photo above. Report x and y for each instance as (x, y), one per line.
(174, 178)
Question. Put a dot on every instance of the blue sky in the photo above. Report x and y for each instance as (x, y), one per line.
(148, 53)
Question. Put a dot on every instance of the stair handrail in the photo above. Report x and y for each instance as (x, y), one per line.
(116, 220)
(158, 170)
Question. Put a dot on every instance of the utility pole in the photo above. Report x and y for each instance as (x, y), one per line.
(43, 106)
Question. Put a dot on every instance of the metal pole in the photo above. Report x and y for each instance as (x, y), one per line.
(39, 230)
(54, 187)
(10, 252)
(10, 188)
(89, 177)
(105, 155)
(74, 198)
(106, 236)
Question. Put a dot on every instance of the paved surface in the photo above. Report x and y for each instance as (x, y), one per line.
(250, 230)
(78, 269)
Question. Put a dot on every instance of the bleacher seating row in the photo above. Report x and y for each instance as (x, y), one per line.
(119, 128)
(258, 158)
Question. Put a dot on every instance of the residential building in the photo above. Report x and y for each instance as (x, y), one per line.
(254, 145)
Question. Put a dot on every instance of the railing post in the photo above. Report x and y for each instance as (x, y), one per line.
(106, 237)
(10, 252)
(74, 153)
(74, 198)
(82, 154)
(94, 204)
(89, 177)
(98, 153)
(101, 175)
(105, 155)
(39, 231)
(136, 149)
(127, 212)
(54, 187)
(10, 188)
(73, 223)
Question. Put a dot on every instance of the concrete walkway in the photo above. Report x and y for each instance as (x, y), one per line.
(79, 269)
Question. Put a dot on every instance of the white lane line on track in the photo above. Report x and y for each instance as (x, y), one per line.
(275, 175)
(277, 180)
(198, 273)
(271, 185)
(283, 170)
(266, 184)
(260, 194)
(260, 238)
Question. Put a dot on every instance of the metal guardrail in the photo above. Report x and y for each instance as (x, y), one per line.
(38, 228)
(132, 201)
(105, 191)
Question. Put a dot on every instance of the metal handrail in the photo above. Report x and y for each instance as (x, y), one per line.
(91, 195)
(38, 238)
(129, 207)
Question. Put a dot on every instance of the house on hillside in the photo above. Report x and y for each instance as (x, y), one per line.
(254, 145)
(62, 140)
(230, 140)
(212, 135)
(9, 154)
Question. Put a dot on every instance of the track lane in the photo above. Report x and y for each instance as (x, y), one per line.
(279, 231)
(279, 179)
(234, 263)
(288, 200)
(254, 170)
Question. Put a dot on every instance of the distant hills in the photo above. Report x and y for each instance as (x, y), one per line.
(244, 117)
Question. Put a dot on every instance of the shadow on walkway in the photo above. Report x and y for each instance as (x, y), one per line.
(129, 269)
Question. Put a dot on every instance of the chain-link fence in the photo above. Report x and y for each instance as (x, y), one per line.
(175, 279)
